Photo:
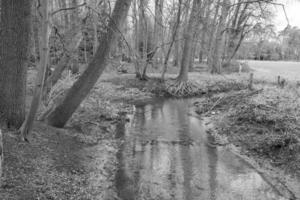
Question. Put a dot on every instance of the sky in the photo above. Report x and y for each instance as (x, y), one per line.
(293, 11)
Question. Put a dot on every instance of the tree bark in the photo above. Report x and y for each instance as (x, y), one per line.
(81, 88)
(75, 20)
(138, 74)
(216, 49)
(27, 125)
(216, 63)
(1, 155)
(188, 36)
(213, 33)
(14, 43)
(35, 30)
(204, 32)
(95, 28)
(158, 30)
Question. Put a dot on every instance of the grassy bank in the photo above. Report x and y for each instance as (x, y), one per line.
(264, 122)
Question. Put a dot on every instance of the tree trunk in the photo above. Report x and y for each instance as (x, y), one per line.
(138, 74)
(158, 30)
(27, 125)
(207, 6)
(63, 4)
(188, 42)
(14, 42)
(192, 58)
(81, 88)
(212, 33)
(216, 63)
(173, 37)
(176, 55)
(1, 156)
(35, 30)
(74, 26)
(95, 28)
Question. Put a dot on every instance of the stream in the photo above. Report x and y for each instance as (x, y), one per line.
(165, 155)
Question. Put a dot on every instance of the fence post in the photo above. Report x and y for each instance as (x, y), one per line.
(250, 85)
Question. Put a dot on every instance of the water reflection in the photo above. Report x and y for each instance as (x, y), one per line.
(165, 156)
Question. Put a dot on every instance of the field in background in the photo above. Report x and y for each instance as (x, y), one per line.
(270, 69)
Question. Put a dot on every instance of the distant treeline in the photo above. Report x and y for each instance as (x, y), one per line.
(282, 46)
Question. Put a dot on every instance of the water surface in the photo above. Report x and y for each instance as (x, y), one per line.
(165, 155)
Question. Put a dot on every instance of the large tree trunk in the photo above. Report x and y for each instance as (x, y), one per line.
(207, 7)
(81, 88)
(173, 37)
(27, 125)
(75, 20)
(35, 31)
(212, 33)
(14, 42)
(1, 155)
(188, 36)
(136, 40)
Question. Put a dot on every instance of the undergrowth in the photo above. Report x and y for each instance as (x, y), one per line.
(267, 123)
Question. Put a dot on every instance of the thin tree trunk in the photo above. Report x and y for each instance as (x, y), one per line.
(27, 125)
(188, 36)
(95, 28)
(14, 43)
(81, 88)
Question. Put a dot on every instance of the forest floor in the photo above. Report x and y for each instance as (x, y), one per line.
(65, 163)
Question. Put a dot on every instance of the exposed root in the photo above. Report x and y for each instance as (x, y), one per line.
(183, 88)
